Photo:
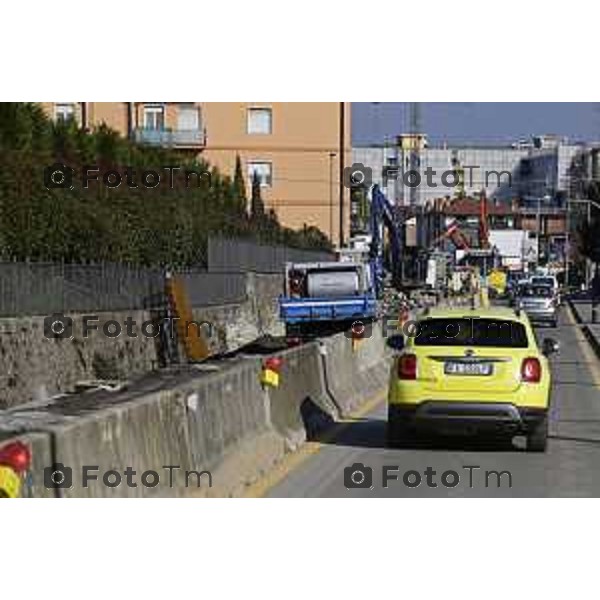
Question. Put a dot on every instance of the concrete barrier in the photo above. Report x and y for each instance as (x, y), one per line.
(355, 373)
(301, 405)
(191, 420)
(213, 420)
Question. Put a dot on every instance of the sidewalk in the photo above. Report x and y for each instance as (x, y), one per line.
(582, 309)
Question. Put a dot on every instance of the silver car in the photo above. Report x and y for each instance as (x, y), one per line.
(539, 303)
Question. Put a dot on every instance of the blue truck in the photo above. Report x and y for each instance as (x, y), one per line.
(325, 297)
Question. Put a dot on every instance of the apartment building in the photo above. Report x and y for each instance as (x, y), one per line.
(293, 147)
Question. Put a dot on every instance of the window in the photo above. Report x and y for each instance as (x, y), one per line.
(475, 332)
(188, 118)
(264, 171)
(537, 291)
(260, 121)
(154, 117)
(63, 111)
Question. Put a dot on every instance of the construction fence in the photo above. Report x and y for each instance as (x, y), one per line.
(37, 288)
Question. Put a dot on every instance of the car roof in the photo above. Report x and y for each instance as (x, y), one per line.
(492, 312)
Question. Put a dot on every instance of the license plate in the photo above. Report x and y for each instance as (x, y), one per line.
(466, 368)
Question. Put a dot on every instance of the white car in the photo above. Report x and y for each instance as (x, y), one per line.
(548, 280)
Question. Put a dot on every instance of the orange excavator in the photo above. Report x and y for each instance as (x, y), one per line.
(454, 233)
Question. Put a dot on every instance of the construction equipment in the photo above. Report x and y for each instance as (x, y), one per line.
(329, 296)
(455, 234)
(383, 216)
(325, 297)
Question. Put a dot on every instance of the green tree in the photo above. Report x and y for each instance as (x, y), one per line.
(162, 225)
(239, 186)
(257, 206)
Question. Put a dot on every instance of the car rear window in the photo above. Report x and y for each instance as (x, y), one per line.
(539, 291)
(542, 281)
(470, 331)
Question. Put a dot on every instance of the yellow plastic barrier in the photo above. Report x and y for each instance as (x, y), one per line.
(15, 460)
(270, 371)
(10, 483)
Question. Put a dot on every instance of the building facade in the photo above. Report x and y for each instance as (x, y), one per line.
(538, 169)
(294, 148)
(444, 172)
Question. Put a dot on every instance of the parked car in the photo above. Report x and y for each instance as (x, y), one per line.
(540, 303)
(479, 371)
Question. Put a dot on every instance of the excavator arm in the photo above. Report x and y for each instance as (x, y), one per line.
(383, 215)
(453, 233)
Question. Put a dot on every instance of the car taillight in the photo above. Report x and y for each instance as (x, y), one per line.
(407, 366)
(531, 370)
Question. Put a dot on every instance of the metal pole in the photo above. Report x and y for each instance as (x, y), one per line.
(588, 262)
(331, 157)
(537, 233)
(342, 165)
(567, 242)
(594, 296)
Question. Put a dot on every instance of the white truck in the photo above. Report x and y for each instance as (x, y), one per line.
(515, 247)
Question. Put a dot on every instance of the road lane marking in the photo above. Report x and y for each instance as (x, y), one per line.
(590, 357)
(292, 461)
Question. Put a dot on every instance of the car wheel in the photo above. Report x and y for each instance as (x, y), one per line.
(537, 438)
(554, 323)
(399, 435)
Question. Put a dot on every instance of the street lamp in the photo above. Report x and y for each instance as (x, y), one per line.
(546, 198)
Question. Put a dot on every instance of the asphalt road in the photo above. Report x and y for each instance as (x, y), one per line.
(464, 467)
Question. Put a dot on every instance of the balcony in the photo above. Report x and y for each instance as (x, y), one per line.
(171, 138)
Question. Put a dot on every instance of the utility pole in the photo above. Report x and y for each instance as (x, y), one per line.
(331, 157)
(414, 162)
(567, 242)
(537, 232)
(342, 133)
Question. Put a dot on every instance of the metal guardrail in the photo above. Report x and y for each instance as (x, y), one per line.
(543, 210)
(171, 137)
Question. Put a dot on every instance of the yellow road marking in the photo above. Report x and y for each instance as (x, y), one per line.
(590, 357)
(293, 460)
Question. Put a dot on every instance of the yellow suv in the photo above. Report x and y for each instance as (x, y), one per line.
(470, 371)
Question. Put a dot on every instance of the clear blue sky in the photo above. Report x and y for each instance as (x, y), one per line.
(477, 121)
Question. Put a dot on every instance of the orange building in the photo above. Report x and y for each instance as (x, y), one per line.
(293, 147)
